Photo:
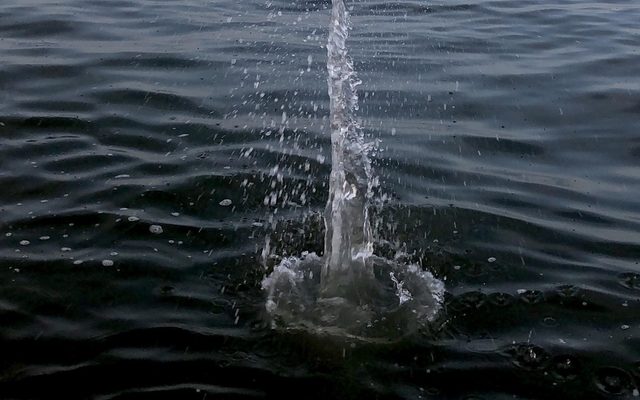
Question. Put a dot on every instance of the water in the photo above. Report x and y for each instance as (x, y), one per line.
(348, 230)
(358, 293)
(147, 149)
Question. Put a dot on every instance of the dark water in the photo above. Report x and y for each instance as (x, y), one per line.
(511, 154)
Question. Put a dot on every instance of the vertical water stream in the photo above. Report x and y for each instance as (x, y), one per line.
(349, 290)
(348, 233)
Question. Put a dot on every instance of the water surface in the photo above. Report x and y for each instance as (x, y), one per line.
(509, 152)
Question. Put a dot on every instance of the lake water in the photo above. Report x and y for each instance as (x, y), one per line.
(148, 148)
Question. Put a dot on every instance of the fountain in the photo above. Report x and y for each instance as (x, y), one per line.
(349, 291)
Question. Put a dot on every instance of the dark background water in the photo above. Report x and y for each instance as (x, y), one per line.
(510, 132)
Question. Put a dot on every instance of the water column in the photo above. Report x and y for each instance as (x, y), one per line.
(348, 237)
(349, 298)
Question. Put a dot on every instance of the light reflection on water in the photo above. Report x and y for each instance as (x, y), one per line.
(507, 131)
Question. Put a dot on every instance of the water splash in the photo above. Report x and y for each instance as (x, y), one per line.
(348, 232)
(350, 290)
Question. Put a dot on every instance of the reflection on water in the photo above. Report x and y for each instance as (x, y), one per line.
(142, 145)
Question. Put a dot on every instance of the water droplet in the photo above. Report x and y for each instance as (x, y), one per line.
(24, 243)
(107, 263)
(225, 202)
(629, 280)
(531, 296)
(564, 367)
(529, 356)
(568, 291)
(500, 299)
(491, 259)
(155, 229)
(133, 219)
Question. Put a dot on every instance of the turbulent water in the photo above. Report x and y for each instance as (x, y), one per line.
(348, 231)
(147, 148)
(357, 292)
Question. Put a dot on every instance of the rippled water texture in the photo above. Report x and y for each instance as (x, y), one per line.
(147, 148)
